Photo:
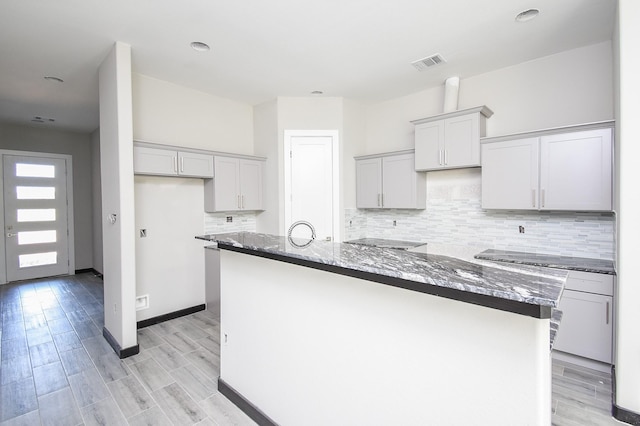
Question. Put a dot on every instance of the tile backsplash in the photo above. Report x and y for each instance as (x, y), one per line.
(216, 223)
(454, 216)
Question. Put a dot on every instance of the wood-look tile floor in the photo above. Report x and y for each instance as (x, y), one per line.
(57, 369)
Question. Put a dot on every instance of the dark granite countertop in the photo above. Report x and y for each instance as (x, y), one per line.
(598, 266)
(384, 243)
(532, 291)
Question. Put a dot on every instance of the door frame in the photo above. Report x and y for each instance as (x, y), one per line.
(335, 154)
(70, 221)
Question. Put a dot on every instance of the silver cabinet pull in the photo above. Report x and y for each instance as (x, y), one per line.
(542, 197)
(182, 164)
(382, 200)
(242, 201)
(175, 164)
(238, 201)
(607, 313)
(379, 205)
(446, 161)
(440, 157)
(533, 197)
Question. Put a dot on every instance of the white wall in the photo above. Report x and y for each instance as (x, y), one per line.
(96, 201)
(116, 164)
(318, 113)
(266, 144)
(78, 145)
(628, 105)
(568, 88)
(167, 113)
(169, 260)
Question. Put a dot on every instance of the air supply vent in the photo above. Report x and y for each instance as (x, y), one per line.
(429, 61)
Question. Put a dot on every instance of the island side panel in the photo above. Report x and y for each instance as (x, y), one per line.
(310, 347)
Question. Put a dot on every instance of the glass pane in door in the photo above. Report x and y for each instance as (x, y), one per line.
(36, 215)
(38, 259)
(36, 192)
(35, 170)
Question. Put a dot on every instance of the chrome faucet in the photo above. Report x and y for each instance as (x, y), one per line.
(305, 223)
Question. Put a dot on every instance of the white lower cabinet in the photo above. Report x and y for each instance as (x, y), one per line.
(389, 181)
(586, 328)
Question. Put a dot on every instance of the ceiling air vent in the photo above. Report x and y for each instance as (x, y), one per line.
(429, 61)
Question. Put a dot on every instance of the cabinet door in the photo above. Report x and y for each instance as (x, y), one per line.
(510, 175)
(251, 185)
(226, 194)
(194, 164)
(154, 161)
(576, 171)
(462, 141)
(429, 141)
(400, 183)
(586, 328)
(369, 183)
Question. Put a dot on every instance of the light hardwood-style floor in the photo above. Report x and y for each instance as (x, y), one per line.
(57, 369)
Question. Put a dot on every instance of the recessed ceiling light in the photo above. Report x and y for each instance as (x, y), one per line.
(317, 92)
(56, 79)
(200, 46)
(527, 15)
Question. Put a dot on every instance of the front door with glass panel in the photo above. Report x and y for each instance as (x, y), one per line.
(35, 217)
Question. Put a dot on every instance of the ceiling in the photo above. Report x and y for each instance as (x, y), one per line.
(359, 49)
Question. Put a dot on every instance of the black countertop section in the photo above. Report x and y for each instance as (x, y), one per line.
(532, 292)
(598, 266)
(384, 243)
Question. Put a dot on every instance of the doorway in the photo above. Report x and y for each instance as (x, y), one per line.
(312, 181)
(37, 220)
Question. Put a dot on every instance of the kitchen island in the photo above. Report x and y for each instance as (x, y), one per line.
(330, 333)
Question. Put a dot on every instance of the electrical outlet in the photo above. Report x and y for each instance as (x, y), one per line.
(229, 219)
(521, 229)
(143, 233)
(395, 223)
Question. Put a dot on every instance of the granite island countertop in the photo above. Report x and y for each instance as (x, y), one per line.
(598, 266)
(531, 291)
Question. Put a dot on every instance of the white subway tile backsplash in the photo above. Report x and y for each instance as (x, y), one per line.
(216, 223)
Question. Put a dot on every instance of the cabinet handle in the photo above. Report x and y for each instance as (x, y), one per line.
(382, 200)
(242, 198)
(440, 157)
(533, 197)
(607, 313)
(182, 164)
(175, 164)
(378, 200)
(446, 161)
(542, 197)
(238, 201)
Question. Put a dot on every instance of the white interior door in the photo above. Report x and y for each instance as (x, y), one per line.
(312, 180)
(35, 217)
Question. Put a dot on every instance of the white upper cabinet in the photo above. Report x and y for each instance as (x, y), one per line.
(510, 174)
(169, 162)
(369, 183)
(563, 171)
(389, 181)
(576, 171)
(451, 140)
(237, 185)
